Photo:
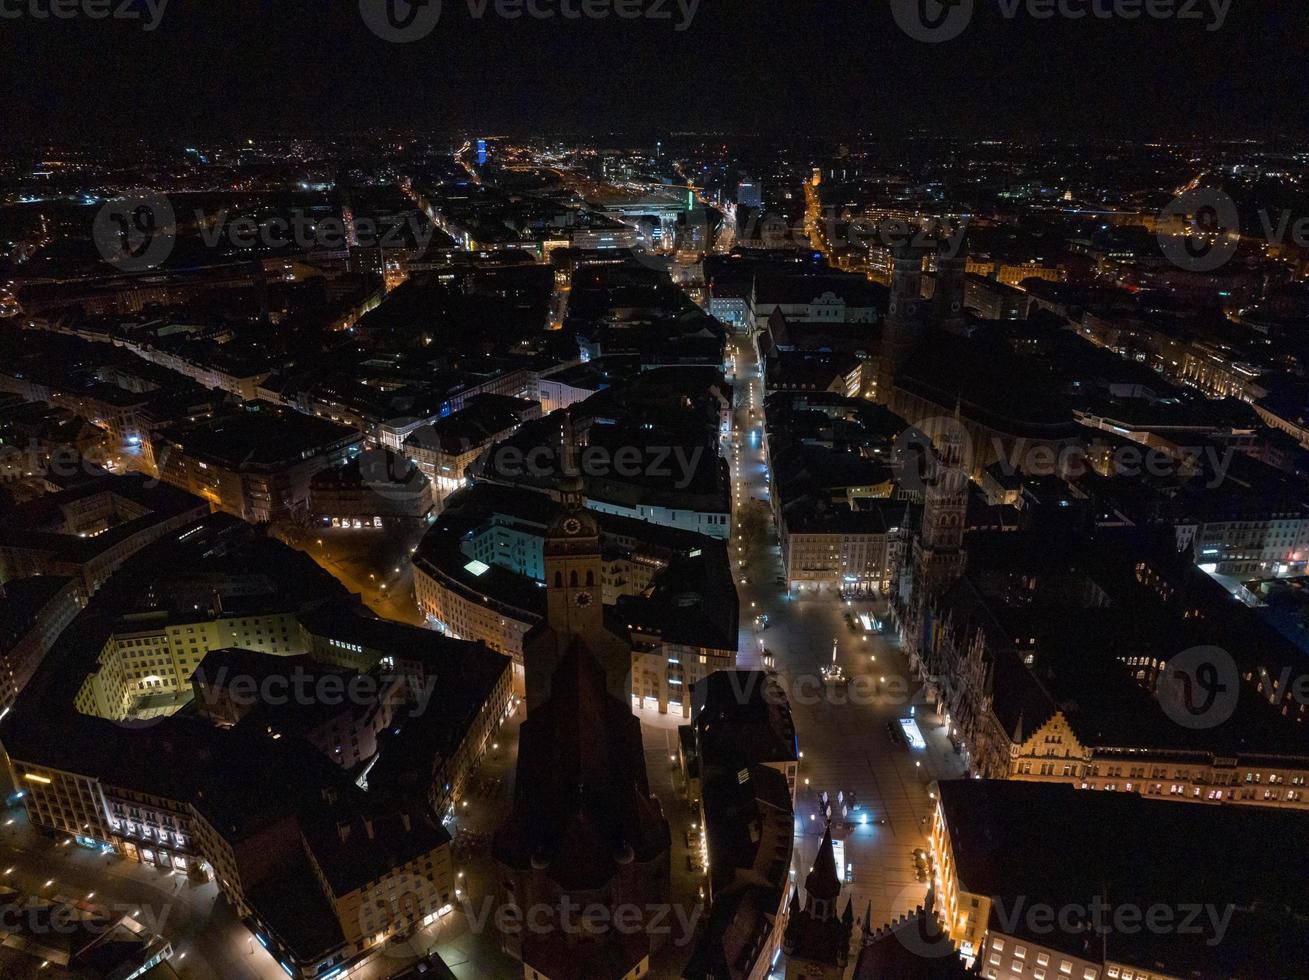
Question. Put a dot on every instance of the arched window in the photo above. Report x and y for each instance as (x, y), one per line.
(590, 578)
(559, 580)
(572, 578)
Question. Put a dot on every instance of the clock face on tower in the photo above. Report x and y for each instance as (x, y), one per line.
(583, 599)
(572, 525)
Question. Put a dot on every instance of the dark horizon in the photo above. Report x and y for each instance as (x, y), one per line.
(805, 69)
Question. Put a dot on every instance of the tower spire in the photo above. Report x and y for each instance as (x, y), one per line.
(571, 488)
(823, 882)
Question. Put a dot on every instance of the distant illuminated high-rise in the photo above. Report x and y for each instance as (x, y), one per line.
(750, 193)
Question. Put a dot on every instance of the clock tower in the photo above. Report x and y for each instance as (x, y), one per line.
(574, 595)
(572, 571)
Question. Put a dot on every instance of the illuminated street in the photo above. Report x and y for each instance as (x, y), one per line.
(842, 732)
(191, 916)
(373, 564)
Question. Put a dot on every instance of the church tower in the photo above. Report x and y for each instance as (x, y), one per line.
(948, 298)
(574, 595)
(939, 551)
(816, 941)
(572, 556)
(939, 558)
(906, 318)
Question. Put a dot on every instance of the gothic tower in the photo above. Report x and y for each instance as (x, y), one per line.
(816, 941)
(939, 551)
(906, 318)
(948, 299)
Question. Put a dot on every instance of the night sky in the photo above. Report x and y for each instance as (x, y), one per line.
(223, 67)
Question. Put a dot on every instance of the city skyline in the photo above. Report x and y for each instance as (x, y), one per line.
(608, 489)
